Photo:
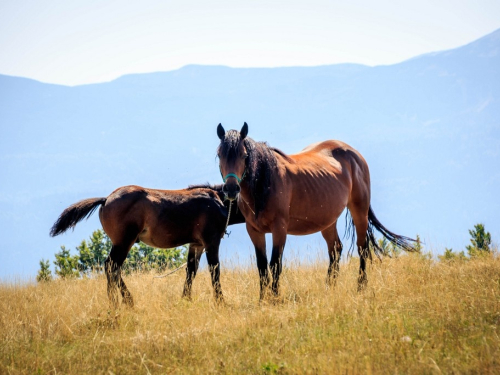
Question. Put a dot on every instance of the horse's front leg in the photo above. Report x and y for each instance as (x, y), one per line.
(193, 260)
(276, 264)
(214, 267)
(259, 241)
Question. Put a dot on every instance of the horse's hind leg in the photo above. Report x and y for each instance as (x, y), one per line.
(112, 266)
(332, 239)
(193, 260)
(359, 215)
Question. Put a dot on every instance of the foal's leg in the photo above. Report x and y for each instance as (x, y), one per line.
(332, 239)
(112, 266)
(126, 296)
(214, 267)
(193, 260)
(259, 241)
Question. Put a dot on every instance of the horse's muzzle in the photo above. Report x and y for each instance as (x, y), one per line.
(231, 190)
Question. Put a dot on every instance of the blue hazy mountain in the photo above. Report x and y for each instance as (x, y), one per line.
(429, 128)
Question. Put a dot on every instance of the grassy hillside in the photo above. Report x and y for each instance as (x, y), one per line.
(416, 316)
(428, 127)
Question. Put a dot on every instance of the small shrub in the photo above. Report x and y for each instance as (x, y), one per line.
(480, 241)
(44, 274)
(450, 255)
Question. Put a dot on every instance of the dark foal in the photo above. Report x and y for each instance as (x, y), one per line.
(159, 218)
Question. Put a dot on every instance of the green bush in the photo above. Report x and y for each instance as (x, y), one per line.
(92, 254)
(44, 274)
(480, 241)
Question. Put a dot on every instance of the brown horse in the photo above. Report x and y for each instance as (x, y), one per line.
(159, 218)
(300, 194)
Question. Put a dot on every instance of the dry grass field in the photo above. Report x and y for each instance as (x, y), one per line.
(416, 316)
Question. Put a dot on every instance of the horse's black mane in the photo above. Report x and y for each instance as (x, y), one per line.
(260, 164)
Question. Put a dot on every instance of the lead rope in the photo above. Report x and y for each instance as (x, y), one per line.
(228, 216)
(250, 208)
(171, 272)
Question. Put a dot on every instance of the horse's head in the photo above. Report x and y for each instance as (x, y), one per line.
(232, 154)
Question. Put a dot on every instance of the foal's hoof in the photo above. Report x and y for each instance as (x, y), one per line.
(219, 300)
(330, 283)
(114, 303)
(271, 298)
(362, 285)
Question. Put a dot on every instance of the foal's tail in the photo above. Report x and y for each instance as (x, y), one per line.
(74, 214)
(402, 242)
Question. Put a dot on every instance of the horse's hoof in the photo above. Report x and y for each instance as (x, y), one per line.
(129, 302)
(276, 299)
(331, 281)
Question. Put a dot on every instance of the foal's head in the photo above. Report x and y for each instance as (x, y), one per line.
(232, 153)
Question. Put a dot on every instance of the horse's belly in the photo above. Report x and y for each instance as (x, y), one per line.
(300, 227)
(162, 239)
(313, 216)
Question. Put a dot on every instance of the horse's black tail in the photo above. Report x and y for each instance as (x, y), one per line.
(74, 214)
(402, 242)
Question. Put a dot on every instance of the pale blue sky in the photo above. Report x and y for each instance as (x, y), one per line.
(84, 41)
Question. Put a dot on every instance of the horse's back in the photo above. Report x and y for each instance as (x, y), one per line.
(328, 144)
(351, 163)
(121, 200)
(339, 155)
(163, 218)
(330, 147)
(323, 178)
(126, 192)
(185, 202)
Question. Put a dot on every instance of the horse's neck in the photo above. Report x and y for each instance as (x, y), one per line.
(246, 193)
(246, 198)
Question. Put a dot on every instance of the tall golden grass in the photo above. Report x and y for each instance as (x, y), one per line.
(415, 316)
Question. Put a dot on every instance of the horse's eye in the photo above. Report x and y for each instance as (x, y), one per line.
(244, 156)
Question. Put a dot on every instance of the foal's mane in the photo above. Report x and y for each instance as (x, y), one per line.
(216, 188)
(235, 216)
(260, 165)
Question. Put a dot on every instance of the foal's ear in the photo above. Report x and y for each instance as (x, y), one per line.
(221, 132)
(244, 131)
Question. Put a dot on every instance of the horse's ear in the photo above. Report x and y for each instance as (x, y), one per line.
(221, 132)
(244, 131)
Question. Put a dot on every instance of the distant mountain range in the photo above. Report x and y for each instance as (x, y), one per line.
(429, 128)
